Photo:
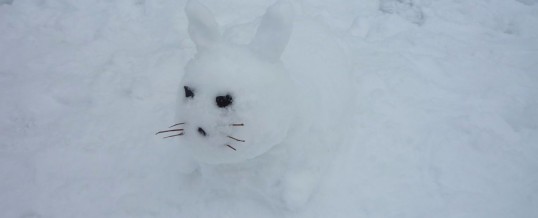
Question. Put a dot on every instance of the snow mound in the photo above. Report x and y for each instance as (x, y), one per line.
(443, 112)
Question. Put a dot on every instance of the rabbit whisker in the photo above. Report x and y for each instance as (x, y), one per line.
(177, 124)
(229, 146)
(236, 139)
(180, 134)
(172, 130)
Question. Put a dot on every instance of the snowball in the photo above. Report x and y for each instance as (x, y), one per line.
(261, 103)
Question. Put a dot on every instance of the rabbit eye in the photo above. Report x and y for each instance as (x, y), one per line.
(188, 92)
(224, 100)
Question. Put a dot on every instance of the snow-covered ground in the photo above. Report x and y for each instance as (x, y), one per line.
(446, 96)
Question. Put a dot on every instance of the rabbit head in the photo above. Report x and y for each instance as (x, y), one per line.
(235, 101)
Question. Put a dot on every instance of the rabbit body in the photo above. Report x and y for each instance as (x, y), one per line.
(252, 127)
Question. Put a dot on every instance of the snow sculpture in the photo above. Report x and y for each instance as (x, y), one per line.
(247, 123)
(236, 101)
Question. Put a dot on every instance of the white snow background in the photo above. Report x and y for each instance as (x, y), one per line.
(446, 95)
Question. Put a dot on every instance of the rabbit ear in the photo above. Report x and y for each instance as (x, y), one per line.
(274, 31)
(203, 29)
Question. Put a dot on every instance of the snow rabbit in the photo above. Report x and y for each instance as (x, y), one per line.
(245, 121)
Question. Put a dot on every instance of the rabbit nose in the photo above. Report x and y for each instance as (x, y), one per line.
(201, 131)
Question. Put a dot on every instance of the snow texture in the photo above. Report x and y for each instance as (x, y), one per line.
(440, 119)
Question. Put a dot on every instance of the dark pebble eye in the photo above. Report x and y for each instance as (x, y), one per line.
(224, 100)
(188, 92)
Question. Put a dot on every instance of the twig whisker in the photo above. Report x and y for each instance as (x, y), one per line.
(177, 124)
(180, 134)
(236, 139)
(229, 146)
(172, 130)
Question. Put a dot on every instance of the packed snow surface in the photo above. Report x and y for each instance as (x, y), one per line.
(444, 107)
